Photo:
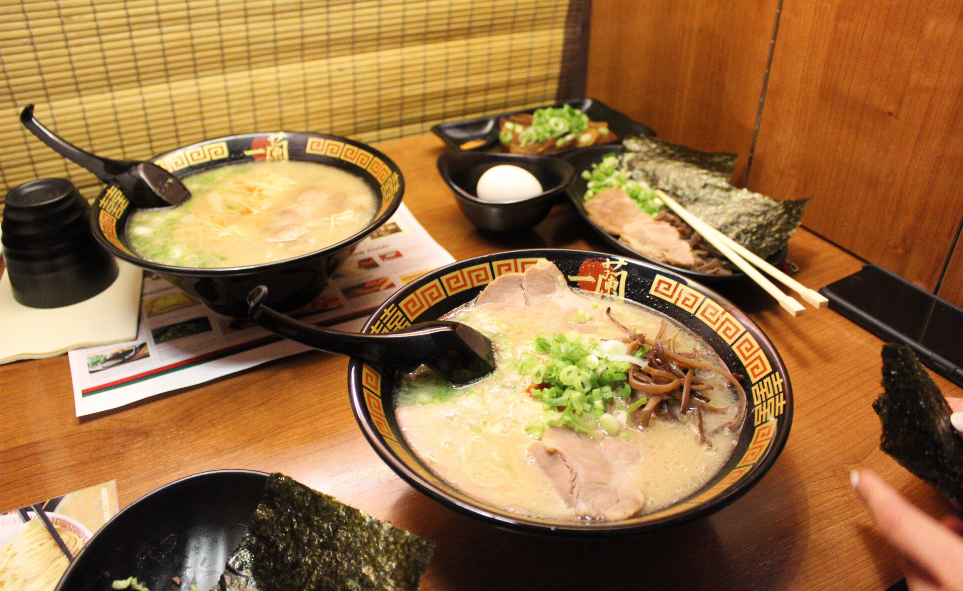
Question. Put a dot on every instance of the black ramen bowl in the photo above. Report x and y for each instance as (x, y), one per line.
(734, 337)
(582, 160)
(461, 170)
(291, 282)
(185, 529)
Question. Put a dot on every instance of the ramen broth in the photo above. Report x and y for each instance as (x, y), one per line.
(253, 213)
(479, 438)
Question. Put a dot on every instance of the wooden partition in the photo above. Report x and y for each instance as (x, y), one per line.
(855, 105)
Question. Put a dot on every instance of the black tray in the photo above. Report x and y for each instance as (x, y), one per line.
(484, 130)
(582, 160)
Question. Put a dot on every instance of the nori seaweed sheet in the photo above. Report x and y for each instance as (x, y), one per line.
(917, 431)
(699, 181)
(305, 540)
(237, 575)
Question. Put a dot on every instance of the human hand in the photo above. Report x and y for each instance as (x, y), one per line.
(932, 550)
(957, 417)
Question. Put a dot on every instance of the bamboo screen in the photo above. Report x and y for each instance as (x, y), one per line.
(135, 78)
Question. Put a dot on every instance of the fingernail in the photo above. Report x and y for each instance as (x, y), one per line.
(956, 419)
(854, 477)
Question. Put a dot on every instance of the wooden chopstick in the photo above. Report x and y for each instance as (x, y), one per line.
(744, 259)
(813, 297)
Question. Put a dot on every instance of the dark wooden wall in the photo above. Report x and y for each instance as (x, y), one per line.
(856, 105)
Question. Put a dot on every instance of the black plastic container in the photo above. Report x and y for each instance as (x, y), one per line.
(51, 255)
(461, 171)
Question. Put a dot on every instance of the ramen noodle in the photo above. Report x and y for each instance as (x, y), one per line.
(32, 561)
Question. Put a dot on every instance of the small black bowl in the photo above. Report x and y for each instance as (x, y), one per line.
(186, 529)
(461, 170)
(292, 282)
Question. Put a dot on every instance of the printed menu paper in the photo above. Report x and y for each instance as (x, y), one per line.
(181, 343)
(29, 555)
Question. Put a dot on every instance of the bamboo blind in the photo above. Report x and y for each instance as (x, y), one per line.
(135, 78)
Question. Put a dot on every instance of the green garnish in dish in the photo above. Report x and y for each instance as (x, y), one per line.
(133, 583)
(565, 123)
(609, 173)
(128, 583)
(580, 385)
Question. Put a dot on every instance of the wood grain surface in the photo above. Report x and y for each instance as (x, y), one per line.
(860, 110)
(800, 527)
(863, 116)
(678, 68)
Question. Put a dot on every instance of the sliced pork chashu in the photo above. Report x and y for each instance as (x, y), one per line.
(541, 282)
(506, 289)
(591, 475)
(611, 209)
(616, 213)
(646, 235)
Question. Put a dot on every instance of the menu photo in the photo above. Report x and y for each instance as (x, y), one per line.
(37, 542)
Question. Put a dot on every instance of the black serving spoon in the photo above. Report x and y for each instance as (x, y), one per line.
(145, 184)
(455, 351)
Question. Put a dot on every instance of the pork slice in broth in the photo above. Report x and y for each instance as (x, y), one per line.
(543, 282)
(506, 289)
(543, 279)
(591, 475)
(550, 304)
(313, 205)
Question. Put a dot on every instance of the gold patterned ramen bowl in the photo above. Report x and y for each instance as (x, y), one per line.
(741, 345)
(291, 282)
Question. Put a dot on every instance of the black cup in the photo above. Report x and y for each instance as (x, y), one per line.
(51, 256)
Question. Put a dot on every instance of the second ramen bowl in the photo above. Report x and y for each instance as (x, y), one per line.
(292, 282)
(740, 344)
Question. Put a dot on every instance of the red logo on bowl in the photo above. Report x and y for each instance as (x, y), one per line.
(603, 277)
(271, 147)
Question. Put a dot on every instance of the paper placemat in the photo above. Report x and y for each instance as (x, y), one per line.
(181, 343)
(109, 317)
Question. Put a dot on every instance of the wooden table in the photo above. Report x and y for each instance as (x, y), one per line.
(801, 527)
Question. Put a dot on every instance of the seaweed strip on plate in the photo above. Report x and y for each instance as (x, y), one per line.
(699, 181)
(305, 540)
(915, 417)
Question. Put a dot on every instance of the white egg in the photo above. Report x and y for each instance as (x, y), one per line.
(506, 182)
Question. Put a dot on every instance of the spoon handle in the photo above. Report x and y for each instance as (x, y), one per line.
(103, 168)
(455, 351)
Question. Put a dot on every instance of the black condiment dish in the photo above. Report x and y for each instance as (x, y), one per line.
(462, 169)
(481, 133)
(292, 282)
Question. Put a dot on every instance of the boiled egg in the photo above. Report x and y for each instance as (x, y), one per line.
(506, 182)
